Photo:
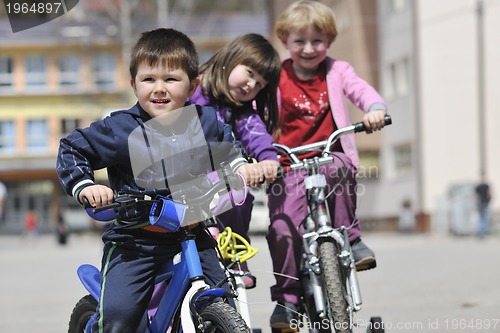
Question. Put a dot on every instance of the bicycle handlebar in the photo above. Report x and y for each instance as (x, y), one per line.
(360, 127)
(326, 145)
(193, 197)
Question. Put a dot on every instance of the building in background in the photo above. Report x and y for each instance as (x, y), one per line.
(53, 78)
(72, 71)
(434, 62)
(440, 75)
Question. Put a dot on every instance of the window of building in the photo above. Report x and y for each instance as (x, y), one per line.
(37, 135)
(343, 16)
(403, 159)
(397, 79)
(6, 76)
(68, 125)
(398, 5)
(35, 71)
(69, 70)
(104, 70)
(7, 136)
(369, 165)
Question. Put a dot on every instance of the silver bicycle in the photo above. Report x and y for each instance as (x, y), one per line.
(331, 293)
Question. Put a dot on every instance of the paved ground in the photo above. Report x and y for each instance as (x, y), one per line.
(423, 283)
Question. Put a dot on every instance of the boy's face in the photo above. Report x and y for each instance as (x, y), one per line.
(307, 48)
(161, 89)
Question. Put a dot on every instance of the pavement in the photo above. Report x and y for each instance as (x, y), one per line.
(423, 283)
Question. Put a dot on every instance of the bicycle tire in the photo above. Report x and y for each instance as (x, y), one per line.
(82, 312)
(335, 285)
(376, 325)
(221, 317)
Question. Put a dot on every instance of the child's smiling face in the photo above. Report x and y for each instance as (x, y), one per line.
(308, 49)
(161, 89)
(245, 83)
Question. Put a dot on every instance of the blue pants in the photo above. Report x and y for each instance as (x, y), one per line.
(131, 260)
(484, 221)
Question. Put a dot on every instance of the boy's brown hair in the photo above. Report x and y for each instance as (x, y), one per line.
(305, 13)
(167, 47)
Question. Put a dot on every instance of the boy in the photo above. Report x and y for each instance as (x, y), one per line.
(313, 88)
(164, 71)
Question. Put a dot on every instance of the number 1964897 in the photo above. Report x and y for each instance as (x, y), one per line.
(33, 8)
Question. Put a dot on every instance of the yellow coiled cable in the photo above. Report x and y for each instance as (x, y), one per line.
(234, 247)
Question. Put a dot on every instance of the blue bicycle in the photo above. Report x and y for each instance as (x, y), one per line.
(182, 301)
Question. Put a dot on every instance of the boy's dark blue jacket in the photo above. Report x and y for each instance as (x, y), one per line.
(104, 144)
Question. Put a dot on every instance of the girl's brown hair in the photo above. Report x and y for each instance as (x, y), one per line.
(255, 52)
(303, 14)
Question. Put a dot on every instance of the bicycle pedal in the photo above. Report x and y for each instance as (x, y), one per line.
(366, 266)
(284, 330)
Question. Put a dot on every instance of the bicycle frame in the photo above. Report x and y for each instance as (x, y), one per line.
(180, 289)
(186, 286)
(318, 226)
(235, 280)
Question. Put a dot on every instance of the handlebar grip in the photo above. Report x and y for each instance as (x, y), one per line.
(360, 127)
(387, 120)
(236, 182)
(86, 203)
(103, 214)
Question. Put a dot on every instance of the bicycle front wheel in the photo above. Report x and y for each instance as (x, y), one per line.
(335, 285)
(221, 317)
(82, 312)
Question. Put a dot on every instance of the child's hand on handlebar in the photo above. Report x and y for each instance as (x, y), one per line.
(97, 195)
(252, 173)
(374, 120)
(270, 170)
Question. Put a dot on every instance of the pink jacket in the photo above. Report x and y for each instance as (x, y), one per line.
(342, 81)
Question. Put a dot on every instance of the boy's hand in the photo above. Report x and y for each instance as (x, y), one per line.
(374, 120)
(97, 195)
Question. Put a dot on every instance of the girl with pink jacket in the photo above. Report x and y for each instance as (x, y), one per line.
(312, 89)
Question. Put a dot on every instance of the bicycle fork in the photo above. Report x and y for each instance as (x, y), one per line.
(346, 260)
(320, 229)
(313, 270)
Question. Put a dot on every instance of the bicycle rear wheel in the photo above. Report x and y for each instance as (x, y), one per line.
(335, 285)
(220, 317)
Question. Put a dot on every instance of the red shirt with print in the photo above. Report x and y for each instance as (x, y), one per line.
(305, 113)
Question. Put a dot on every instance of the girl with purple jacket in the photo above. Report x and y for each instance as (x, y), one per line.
(240, 81)
(313, 90)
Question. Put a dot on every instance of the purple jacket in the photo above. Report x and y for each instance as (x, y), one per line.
(248, 128)
(342, 80)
